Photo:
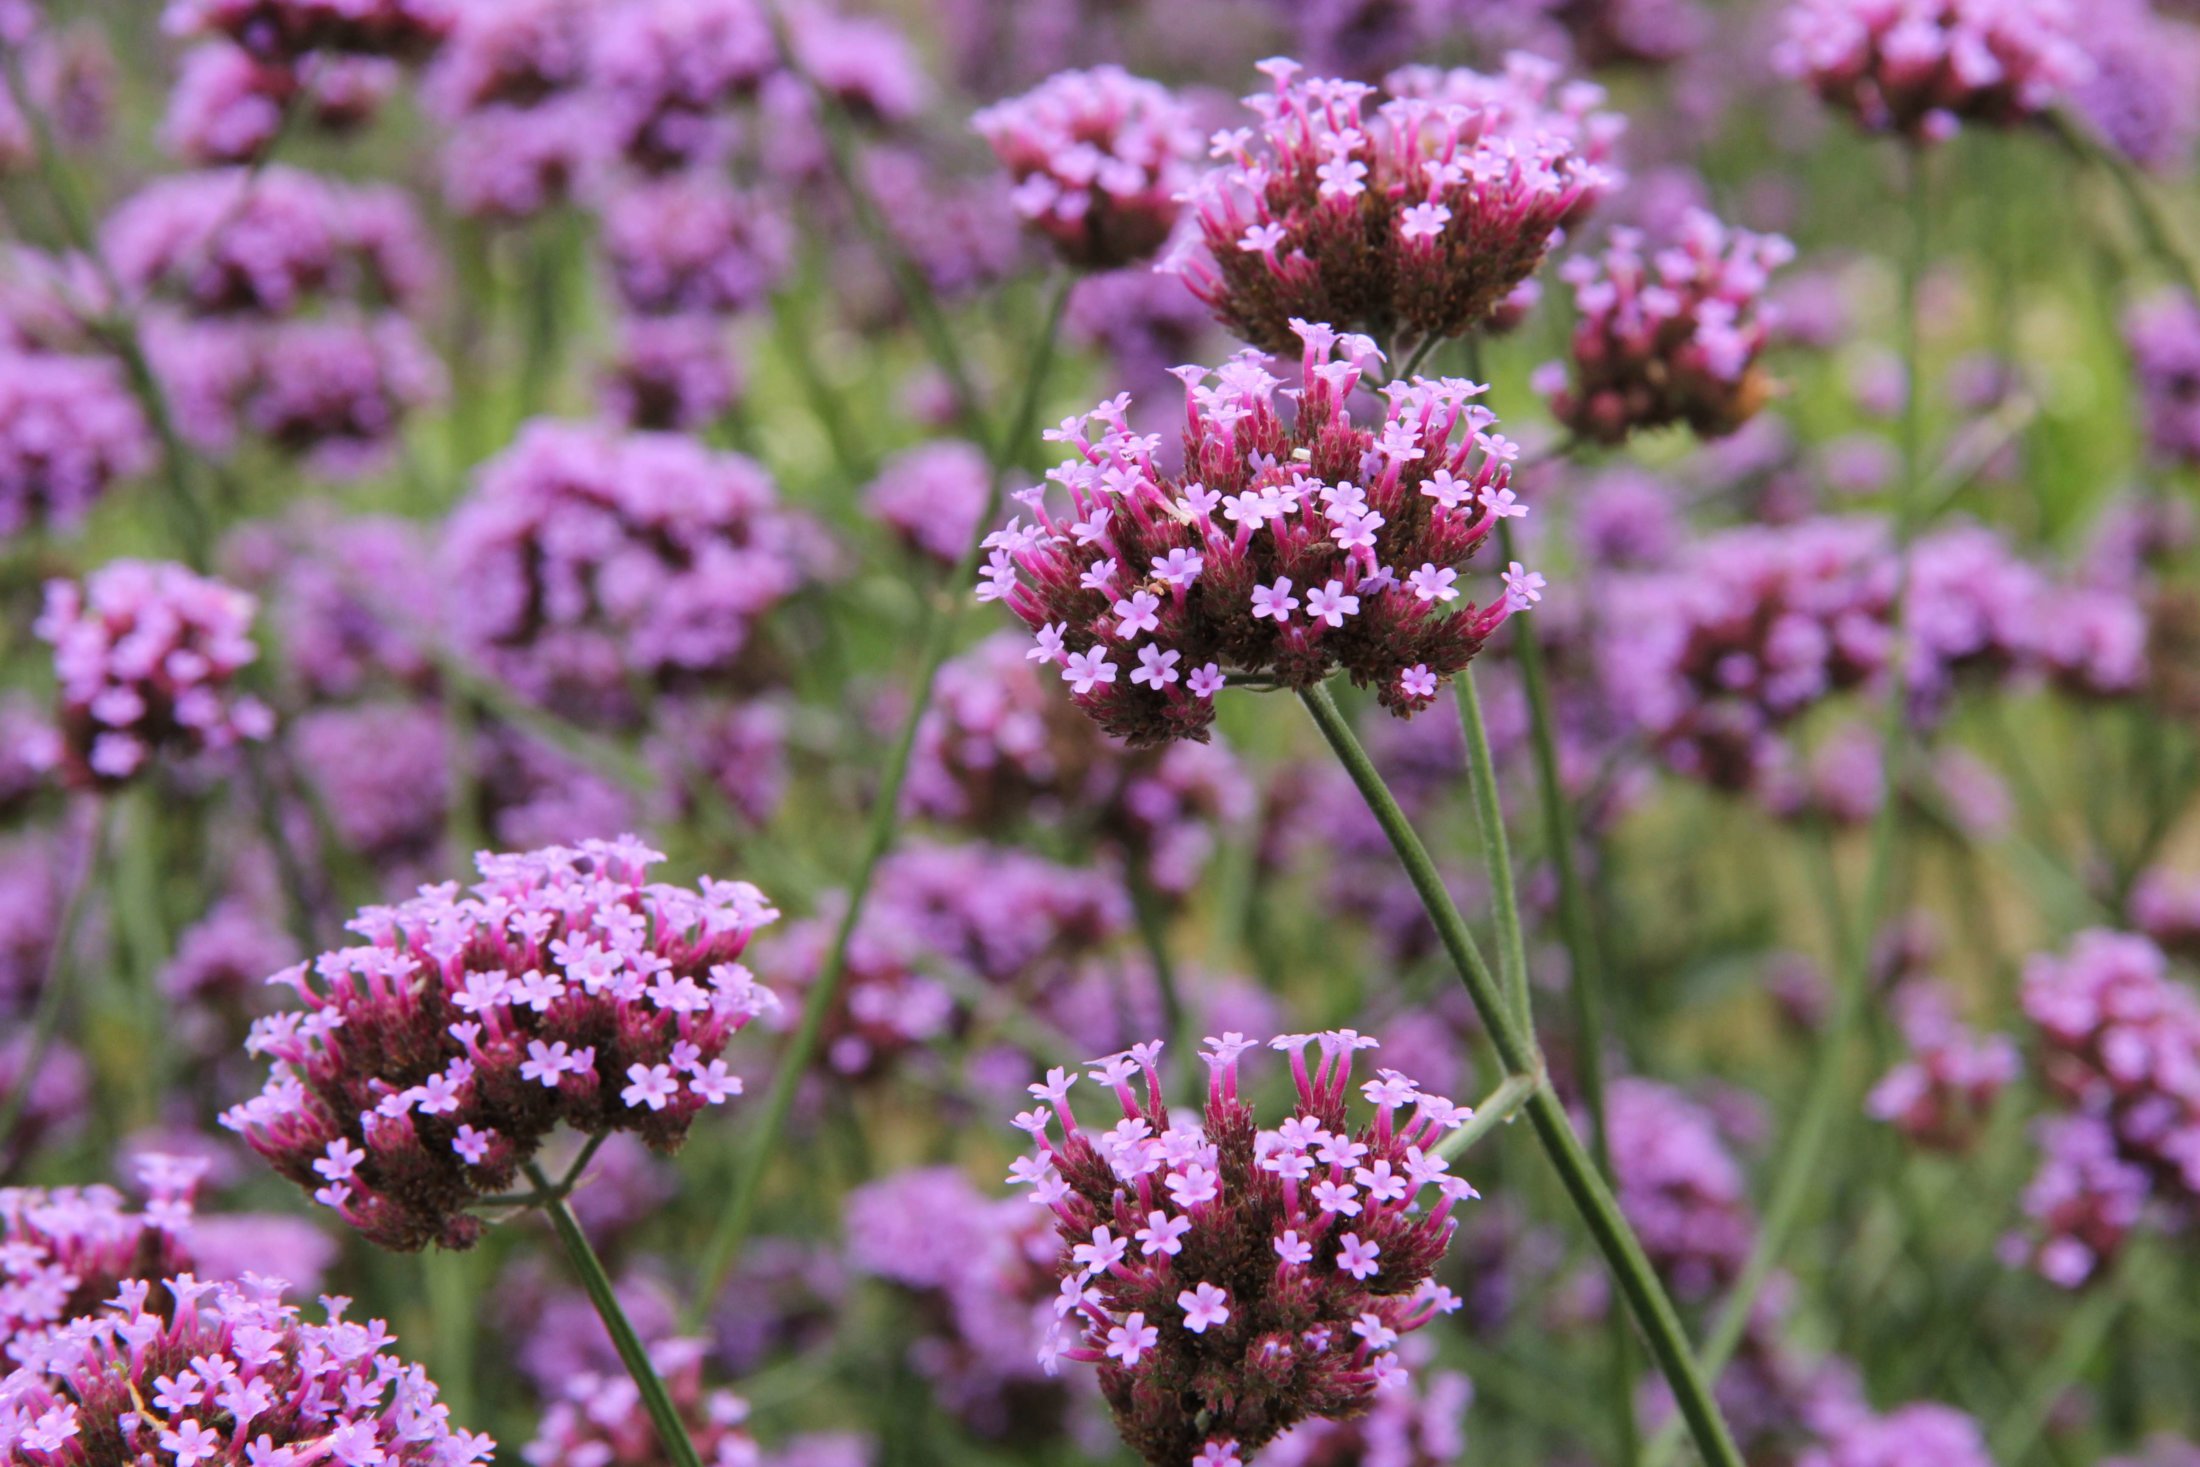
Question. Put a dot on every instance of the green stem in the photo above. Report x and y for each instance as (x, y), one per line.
(671, 1431)
(1495, 1109)
(46, 1018)
(2083, 1334)
(942, 618)
(1515, 1045)
(1489, 821)
(1153, 931)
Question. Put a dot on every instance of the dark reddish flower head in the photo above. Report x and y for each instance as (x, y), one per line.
(1231, 1282)
(1411, 219)
(429, 1062)
(1287, 547)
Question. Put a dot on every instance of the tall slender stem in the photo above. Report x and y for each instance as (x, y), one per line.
(1515, 1044)
(1489, 821)
(1817, 1122)
(942, 617)
(663, 1415)
(46, 1018)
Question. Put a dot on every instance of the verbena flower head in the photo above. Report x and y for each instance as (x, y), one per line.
(1231, 1282)
(146, 653)
(65, 1250)
(2163, 336)
(2143, 94)
(985, 1269)
(1941, 1096)
(586, 558)
(429, 1062)
(238, 241)
(1923, 68)
(227, 106)
(286, 30)
(1670, 334)
(598, 1420)
(351, 597)
(933, 496)
(1100, 158)
(2121, 1040)
(209, 1375)
(1411, 218)
(691, 244)
(998, 747)
(1680, 1186)
(1922, 1434)
(1648, 32)
(1285, 549)
(69, 428)
(667, 71)
(671, 374)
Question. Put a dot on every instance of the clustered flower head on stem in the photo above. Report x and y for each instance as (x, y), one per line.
(1411, 220)
(1668, 335)
(598, 1420)
(1680, 1187)
(288, 30)
(590, 558)
(1284, 550)
(2121, 1041)
(1101, 160)
(147, 654)
(690, 244)
(1231, 1282)
(2163, 335)
(998, 748)
(1942, 1095)
(1923, 68)
(65, 1250)
(69, 428)
(229, 107)
(1921, 1434)
(195, 1372)
(428, 1063)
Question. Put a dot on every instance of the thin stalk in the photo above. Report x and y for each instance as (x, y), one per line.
(1489, 821)
(1495, 1109)
(1515, 1044)
(46, 1018)
(942, 617)
(2155, 230)
(909, 282)
(671, 1431)
(1153, 931)
(2083, 1334)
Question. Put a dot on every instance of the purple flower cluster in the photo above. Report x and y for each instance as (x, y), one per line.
(946, 922)
(1680, 1186)
(1283, 551)
(666, 71)
(933, 496)
(146, 654)
(1922, 1434)
(1101, 159)
(228, 106)
(599, 1420)
(351, 597)
(2143, 94)
(690, 244)
(69, 428)
(671, 374)
(2121, 1041)
(429, 1062)
(2165, 905)
(287, 30)
(65, 1250)
(221, 1374)
(997, 748)
(1231, 1282)
(1410, 220)
(268, 242)
(2163, 336)
(984, 1270)
(1923, 68)
(1940, 1097)
(1668, 335)
(586, 559)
